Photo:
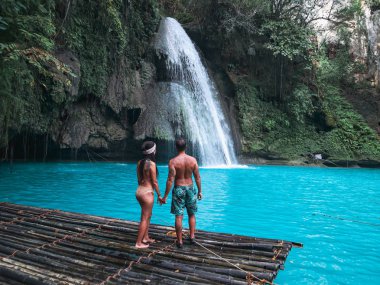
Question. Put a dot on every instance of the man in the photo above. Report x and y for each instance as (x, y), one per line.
(181, 169)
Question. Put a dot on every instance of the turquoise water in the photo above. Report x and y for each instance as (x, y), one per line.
(264, 201)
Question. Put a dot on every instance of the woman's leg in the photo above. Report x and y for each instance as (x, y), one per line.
(146, 238)
(146, 203)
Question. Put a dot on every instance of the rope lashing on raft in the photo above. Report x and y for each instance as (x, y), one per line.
(32, 218)
(344, 219)
(120, 271)
(159, 250)
(249, 276)
(55, 242)
(278, 251)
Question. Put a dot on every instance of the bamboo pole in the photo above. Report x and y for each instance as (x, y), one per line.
(23, 278)
(37, 272)
(82, 248)
(56, 266)
(215, 274)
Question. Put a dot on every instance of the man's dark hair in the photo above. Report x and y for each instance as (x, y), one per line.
(180, 144)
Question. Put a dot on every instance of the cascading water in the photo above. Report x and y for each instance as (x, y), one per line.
(193, 97)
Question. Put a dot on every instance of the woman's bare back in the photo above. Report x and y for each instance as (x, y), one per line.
(146, 179)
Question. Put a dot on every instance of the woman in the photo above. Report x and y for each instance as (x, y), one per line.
(147, 179)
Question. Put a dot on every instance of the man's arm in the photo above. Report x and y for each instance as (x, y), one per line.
(197, 177)
(169, 182)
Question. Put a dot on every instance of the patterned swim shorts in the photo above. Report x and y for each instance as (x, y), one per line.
(184, 196)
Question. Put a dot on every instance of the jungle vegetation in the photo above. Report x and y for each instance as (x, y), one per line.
(289, 88)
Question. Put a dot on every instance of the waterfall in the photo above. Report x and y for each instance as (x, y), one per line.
(195, 98)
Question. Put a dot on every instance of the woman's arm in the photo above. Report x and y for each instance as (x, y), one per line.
(138, 172)
(153, 176)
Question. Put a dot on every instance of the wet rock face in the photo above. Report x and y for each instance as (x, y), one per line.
(71, 60)
(107, 122)
(116, 96)
(374, 44)
(364, 41)
(125, 91)
(104, 124)
(87, 125)
(368, 105)
(364, 49)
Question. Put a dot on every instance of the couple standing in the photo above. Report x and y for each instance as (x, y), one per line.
(181, 169)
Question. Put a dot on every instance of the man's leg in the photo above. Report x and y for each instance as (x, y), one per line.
(178, 228)
(192, 225)
(191, 207)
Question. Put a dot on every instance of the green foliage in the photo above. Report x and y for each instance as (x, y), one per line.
(107, 36)
(266, 128)
(352, 135)
(29, 70)
(28, 23)
(289, 93)
(374, 4)
(287, 38)
(182, 10)
(104, 37)
(332, 74)
(300, 105)
(348, 12)
(258, 119)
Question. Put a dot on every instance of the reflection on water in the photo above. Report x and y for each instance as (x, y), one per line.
(264, 201)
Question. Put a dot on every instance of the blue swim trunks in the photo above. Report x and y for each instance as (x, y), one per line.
(184, 196)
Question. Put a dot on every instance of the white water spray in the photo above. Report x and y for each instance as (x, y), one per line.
(204, 123)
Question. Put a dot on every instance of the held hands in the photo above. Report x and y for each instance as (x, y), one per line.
(162, 200)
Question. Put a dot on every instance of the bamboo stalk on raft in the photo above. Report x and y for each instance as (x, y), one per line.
(72, 248)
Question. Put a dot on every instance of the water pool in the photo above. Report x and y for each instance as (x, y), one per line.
(293, 203)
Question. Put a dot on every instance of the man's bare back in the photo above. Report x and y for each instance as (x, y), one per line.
(184, 166)
(181, 169)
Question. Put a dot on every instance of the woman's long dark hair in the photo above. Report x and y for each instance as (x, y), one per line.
(152, 156)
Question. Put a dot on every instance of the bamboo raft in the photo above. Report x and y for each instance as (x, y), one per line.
(42, 246)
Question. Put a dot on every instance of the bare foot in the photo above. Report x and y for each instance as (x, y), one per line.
(141, 245)
(178, 244)
(149, 240)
